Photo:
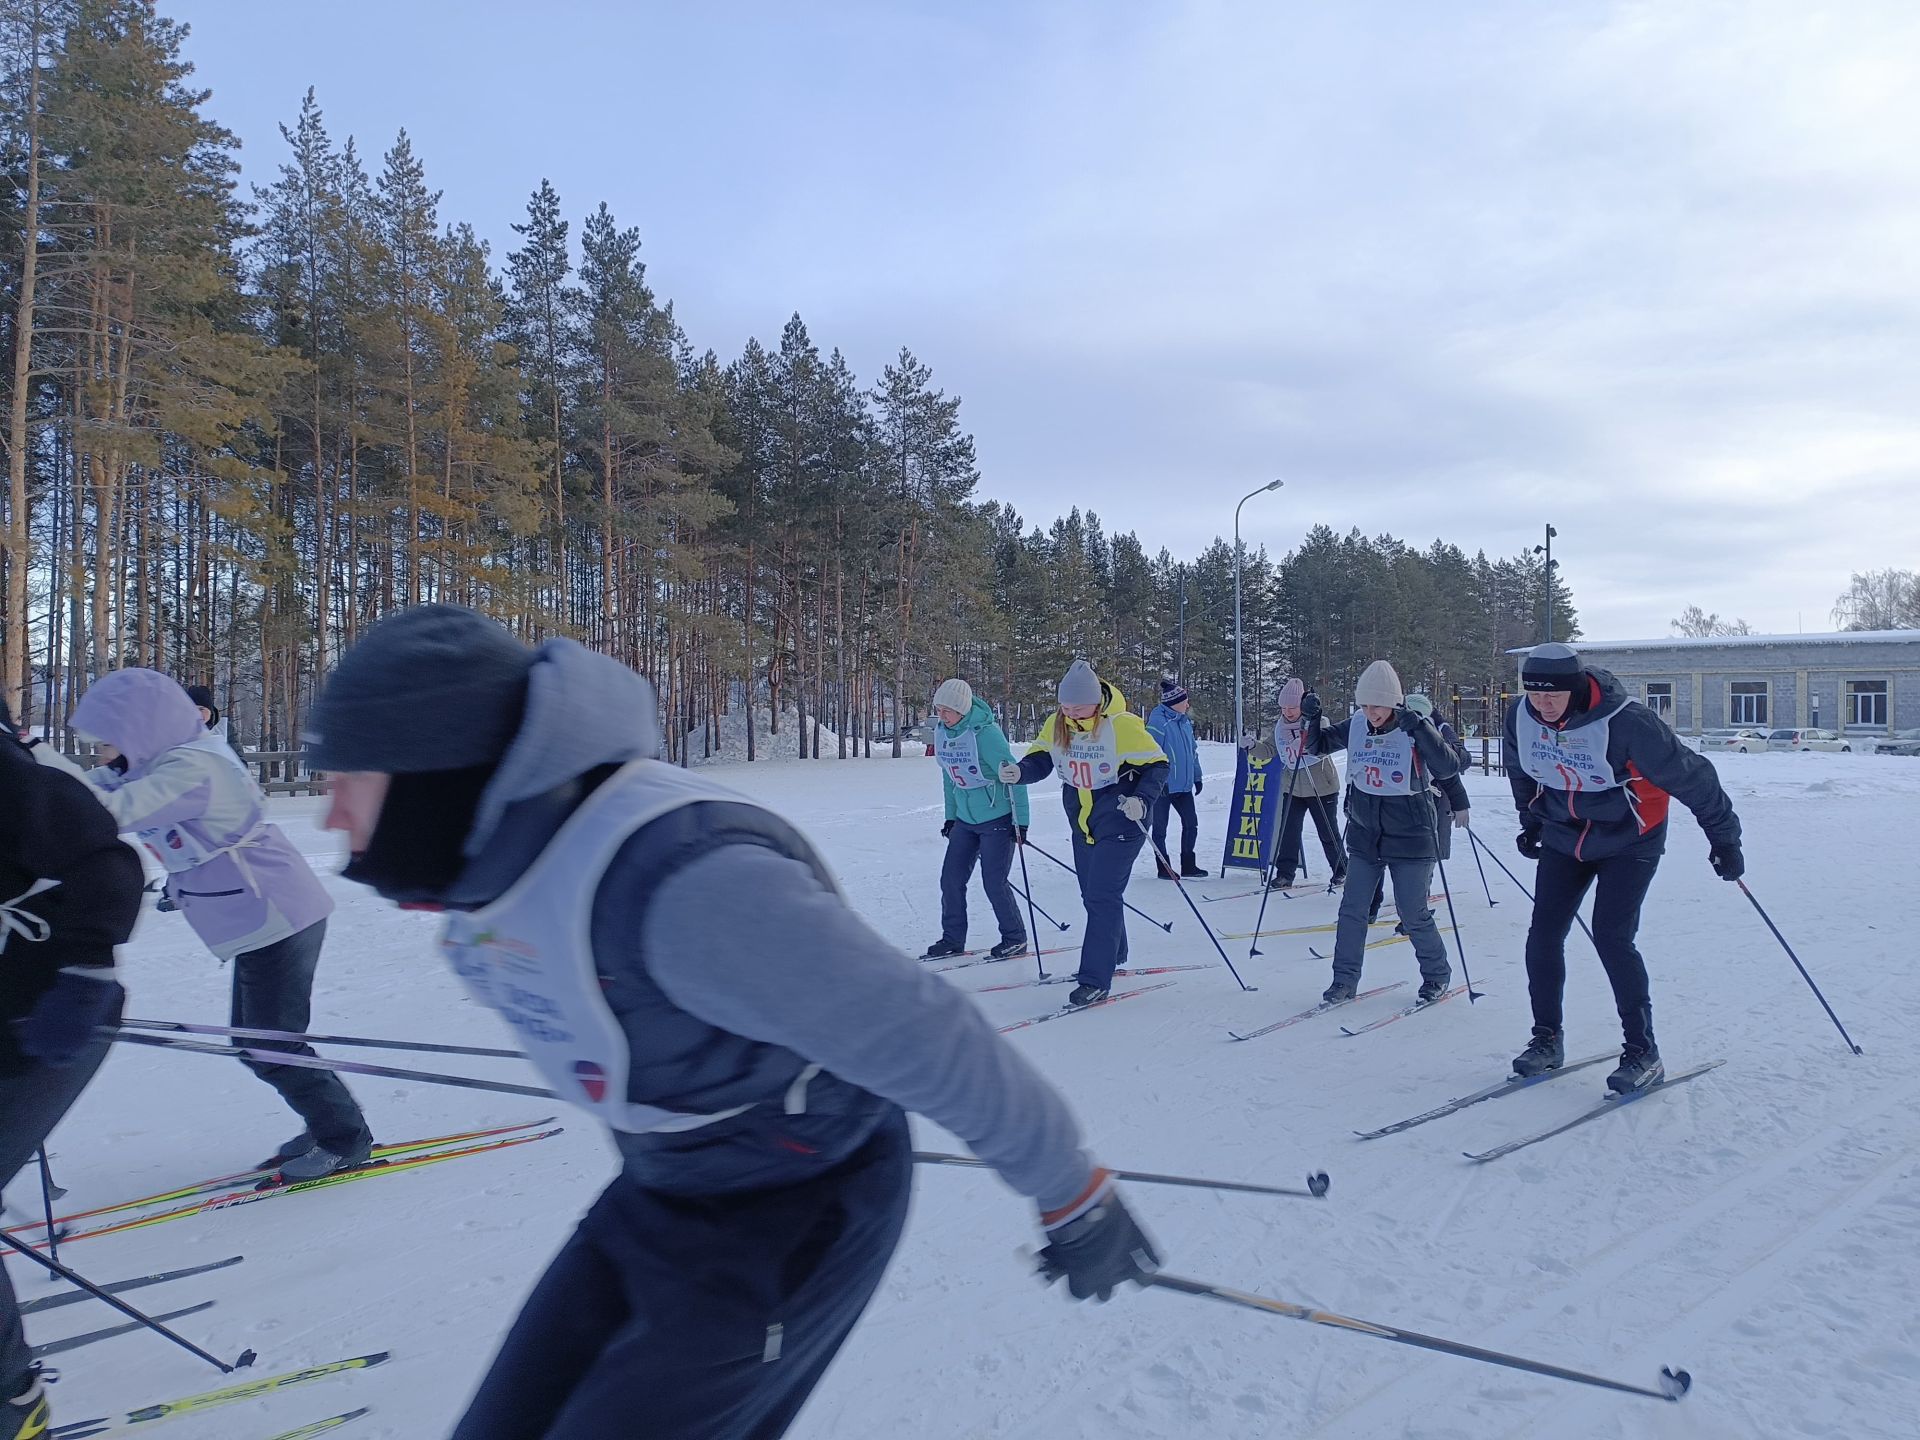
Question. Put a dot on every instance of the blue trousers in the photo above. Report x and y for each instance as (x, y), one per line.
(708, 1317)
(1103, 870)
(273, 990)
(990, 845)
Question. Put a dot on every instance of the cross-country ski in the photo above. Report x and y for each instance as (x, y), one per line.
(1512, 1085)
(1607, 1106)
(1070, 1009)
(75, 1342)
(1405, 1011)
(1312, 1010)
(121, 1287)
(142, 1419)
(323, 1427)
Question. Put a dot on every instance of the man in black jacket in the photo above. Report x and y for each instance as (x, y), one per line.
(69, 893)
(1592, 774)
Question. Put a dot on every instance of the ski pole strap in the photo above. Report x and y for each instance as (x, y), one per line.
(316, 1062)
(1674, 1384)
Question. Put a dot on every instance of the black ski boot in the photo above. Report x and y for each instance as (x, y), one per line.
(291, 1150)
(1007, 949)
(1432, 990)
(1640, 1067)
(320, 1162)
(1162, 871)
(1086, 995)
(1338, 993)
(1190, 869)
(943, 950)
(1547, 1050)
(1280, 882)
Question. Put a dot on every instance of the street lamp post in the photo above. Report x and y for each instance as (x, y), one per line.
(1239, 716)
(1547, 550)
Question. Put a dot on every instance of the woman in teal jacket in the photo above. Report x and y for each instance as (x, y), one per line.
(986, 818)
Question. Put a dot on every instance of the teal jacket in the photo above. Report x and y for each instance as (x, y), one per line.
(978, 804)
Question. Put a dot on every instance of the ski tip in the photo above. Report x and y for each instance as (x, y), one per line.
(1676, 1383)
(1317, 1183)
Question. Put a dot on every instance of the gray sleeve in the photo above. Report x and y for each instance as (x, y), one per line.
(751, 942)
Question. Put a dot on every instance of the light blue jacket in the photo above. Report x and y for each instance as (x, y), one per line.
(1174, 732)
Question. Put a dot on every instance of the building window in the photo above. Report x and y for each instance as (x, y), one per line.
(1867, 703)
(1747, 703)
(1660, 699)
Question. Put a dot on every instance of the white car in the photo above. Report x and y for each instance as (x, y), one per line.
(1809, 740)
(1740, 742)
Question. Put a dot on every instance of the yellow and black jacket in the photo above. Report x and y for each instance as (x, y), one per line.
(1094, 812)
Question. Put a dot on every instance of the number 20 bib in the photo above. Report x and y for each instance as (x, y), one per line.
(1092, 762)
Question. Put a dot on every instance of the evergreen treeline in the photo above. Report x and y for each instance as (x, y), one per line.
(241, 428)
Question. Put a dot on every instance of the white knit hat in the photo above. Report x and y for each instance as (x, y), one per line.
(1378, 685)
(954, 695)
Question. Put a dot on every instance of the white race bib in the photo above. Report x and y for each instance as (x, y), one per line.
(1091, 762)
(1380, 764)
(1573, 760)
(959, 756)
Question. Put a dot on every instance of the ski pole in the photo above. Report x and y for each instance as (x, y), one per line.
(1801, 968)
(182, 1027)
(1166, 925)
(46, 1199)
(1033, 925)
(1032, 905)
(318, 1062)
(1266, 872)
(1459, 942)
(247, 1357)
(1181, 886)
(1674, 1384)
(1316, 1181)
(1479, 865)
(1577, 918)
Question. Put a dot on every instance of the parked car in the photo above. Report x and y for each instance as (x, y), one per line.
(1740, 742)
(1830, 740)
(1901, 742)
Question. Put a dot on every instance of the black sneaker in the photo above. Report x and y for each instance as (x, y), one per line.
(1639, 1068)
(1086, 995)
(943, 950)
(1338, 993)
(1546, 1051)
(1280, 882)
(1432, 990)
(1189, 870)
(1007, 949)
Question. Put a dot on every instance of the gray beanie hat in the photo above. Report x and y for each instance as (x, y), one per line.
(1080, 686)
(1379, 684)
(437, 687)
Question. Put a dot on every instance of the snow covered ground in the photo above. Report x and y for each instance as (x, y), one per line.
(1760, 1226)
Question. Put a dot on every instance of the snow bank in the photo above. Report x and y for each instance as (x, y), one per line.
(731, 740)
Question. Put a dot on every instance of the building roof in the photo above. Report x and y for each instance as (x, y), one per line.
(1690, 642)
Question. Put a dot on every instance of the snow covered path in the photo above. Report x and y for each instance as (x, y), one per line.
(1760, 1226)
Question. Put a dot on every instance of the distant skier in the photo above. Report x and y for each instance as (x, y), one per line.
(69, 893)
(1171, 726)
(1393, 758)
(1309, 785)
(986, 818)
(181, 791)
(679, 961)
(1111, 773)
(1592, 773)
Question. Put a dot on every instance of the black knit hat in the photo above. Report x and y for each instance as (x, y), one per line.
(202, 696)
(437, 687)
(1551, 666)
(1172, 692)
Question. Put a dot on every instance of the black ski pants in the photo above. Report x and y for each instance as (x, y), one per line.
(1164, 807)
(705, 1317)
(990, 846)
(1620, 885)
(273, 990)
(31, 1104)
(1325, 812)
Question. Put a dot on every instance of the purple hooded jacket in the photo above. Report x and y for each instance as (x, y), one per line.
(187, 798)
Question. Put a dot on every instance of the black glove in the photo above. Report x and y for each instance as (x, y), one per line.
(118, 764)
(63, 1019)
(165, 904)
(1310, 706)
(1528, 843)
(1727, 861)
(1406, 719)
(946, 830)
(1199, 783)
(1019, 834)
(1099, 1249)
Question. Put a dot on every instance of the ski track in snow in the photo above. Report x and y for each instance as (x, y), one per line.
(1759, 1226)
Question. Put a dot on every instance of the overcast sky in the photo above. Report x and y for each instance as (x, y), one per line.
(1648, 271)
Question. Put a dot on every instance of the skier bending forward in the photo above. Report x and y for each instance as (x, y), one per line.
(678, 961)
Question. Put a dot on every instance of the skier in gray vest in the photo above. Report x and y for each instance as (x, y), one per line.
(678, 961)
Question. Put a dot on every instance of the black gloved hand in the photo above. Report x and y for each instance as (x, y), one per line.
(1528, 844)
(1099, 1247)
(165, 904)
(118, 764)
(1019, 834)
(946, 830)
(1406, 719)
(1310, 706)
(1727, 861)
(1199, 783)
(63, 1019)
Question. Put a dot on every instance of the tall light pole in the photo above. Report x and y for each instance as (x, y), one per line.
(1547, 550)
(1239, 717)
